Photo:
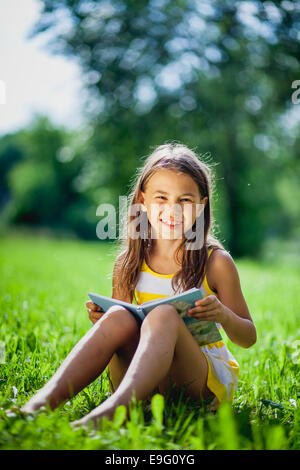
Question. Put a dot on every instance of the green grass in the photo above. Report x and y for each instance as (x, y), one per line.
(44, 285)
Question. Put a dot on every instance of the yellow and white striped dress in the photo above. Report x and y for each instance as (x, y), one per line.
(223, 369)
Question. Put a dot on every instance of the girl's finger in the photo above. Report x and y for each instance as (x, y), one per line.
(93, 314)
(201, 310)
(96, 308)
(205, 317)
(204, 308)
(96, 318)
(97, 314)
(207, 300)
(92, 306)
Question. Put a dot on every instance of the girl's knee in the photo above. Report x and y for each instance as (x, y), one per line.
(121, 319)
(163, 315)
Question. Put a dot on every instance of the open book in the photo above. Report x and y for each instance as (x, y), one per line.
(205, 332)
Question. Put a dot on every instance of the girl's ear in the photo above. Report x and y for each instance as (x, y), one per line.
(204, 200)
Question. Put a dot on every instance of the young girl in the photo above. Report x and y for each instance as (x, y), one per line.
(162, 351)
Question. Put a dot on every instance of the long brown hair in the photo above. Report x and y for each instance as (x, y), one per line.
(178, 157)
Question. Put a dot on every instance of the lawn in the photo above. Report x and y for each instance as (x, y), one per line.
(44, 285)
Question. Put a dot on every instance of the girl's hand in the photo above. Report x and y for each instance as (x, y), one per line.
(209, 308)
(95, 312)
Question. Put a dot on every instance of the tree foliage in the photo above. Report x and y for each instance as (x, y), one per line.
(214, 75)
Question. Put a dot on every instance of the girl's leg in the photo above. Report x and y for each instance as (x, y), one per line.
(165, 346)
(87, 360)
(120, 362)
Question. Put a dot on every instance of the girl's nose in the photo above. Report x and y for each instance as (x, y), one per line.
(174, 212)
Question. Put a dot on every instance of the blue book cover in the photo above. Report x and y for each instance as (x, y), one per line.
(205, 332)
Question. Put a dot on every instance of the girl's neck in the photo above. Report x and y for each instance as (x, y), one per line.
(164, 249)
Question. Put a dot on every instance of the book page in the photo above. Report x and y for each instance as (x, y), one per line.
(205, 332)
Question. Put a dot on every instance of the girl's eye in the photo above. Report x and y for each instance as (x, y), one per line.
(163, 197)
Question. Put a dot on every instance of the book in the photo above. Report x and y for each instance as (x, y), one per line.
(205, 332)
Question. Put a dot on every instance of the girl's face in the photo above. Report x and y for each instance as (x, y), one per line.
(172, 201)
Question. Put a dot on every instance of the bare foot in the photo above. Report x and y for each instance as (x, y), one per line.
(95, 417)
(32, 408)
(14, 411)
(22, 412)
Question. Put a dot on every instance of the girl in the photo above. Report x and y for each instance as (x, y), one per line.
(150, 357)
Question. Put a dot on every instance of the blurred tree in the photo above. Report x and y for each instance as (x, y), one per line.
(10, 153)
(42, 184)
(214, 75)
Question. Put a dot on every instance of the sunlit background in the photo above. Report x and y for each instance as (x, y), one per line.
(36, 80)
(89, 88)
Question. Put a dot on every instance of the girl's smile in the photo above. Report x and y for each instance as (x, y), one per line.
(171, 224)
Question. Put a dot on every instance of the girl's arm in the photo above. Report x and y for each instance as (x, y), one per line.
(96, 312)
(230, 308)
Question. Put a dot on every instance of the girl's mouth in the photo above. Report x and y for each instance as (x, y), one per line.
(171, 224)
